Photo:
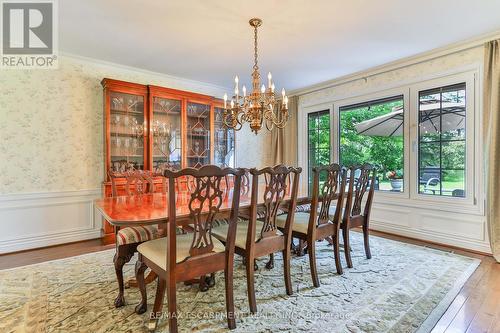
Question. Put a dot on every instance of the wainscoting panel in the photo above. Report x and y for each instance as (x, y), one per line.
(43, 219)
(397, 217)
(461, 230)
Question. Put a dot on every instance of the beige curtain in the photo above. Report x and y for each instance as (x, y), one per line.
(284, 141)
(491, 126)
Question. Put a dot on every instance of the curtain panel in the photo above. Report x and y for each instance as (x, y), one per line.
(284, 141)
(491, 128)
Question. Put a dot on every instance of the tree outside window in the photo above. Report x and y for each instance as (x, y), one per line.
(372, 132)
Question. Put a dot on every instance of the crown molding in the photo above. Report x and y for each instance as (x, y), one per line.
(188, 82)
(400, 63)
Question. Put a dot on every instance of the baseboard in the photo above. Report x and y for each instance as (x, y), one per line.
(433, 237)
(36, 220)
(53, 239)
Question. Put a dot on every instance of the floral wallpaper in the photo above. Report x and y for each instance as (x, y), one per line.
(253, 151)
(51, 124)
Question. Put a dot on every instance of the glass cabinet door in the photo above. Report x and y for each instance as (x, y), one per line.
(223, 141)
(127, 138)
(198, 134)
(166, 133)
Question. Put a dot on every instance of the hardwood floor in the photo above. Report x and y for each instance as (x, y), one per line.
(29, 257)
(475, 309)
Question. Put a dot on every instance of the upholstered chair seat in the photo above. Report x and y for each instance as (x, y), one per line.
(139, 234)
(220, 232)
(156, 250)
(303, 208)
(300, 222)
(306, 208)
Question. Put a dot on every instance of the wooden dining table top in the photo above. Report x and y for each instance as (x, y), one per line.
(153, 208)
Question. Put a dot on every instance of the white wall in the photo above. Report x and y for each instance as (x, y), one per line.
(450, 224)
(51, 148)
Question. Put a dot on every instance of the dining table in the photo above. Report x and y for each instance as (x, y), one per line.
(146, 209)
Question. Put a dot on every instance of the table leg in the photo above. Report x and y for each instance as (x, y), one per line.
(149, 278)
(299, 249)
(205, 282)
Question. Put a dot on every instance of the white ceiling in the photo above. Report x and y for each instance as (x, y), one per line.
(302, 42)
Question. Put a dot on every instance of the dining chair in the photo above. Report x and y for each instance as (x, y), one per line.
(134, 182)
(258, 237)
(184, 257)
(361, 181)
(319, 222)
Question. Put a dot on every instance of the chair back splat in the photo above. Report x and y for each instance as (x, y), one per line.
(136, 182)
(277, 186)
(323, 195)
(361, 181)
(204, 205)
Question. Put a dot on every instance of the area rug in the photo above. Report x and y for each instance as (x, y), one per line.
(403, 288)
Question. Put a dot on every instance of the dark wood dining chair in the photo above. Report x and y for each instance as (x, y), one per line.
(132, 182)
(324, 217)
(258, 237)
(184, 257)
(358, 206)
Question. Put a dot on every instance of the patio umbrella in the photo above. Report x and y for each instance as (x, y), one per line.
(452, 116)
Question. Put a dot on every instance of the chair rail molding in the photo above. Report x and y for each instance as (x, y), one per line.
(33, 220)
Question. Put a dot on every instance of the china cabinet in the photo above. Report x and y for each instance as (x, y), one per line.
(152, 128)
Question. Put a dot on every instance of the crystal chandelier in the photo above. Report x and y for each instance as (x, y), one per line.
(261, 105)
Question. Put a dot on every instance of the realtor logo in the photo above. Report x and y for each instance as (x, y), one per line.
(29, 34)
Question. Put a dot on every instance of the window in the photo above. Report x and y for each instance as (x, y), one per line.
(372, 132)
(442, 141)
(318, 133)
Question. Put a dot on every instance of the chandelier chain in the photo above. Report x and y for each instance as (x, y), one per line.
(255, 66)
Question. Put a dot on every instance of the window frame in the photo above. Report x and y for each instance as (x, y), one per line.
(303, 144)
(472, 73)
(389, 93)
(317, 129)
(471, 138)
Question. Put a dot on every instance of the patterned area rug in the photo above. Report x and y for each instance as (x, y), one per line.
(403, 288)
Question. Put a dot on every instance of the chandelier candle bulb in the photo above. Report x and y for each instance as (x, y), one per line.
(244, 91)
(225, 101)
(272, 87)
(269, 77)
(232, 104)
(263, 89)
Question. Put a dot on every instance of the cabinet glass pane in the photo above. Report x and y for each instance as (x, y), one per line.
(166, 133)
(198, 134)
(126, 131)
(224, 142)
